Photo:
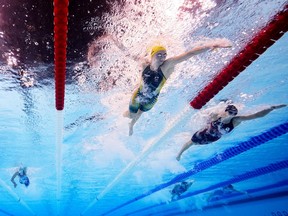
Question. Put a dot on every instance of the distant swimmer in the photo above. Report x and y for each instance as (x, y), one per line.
(180, 189)
(222, 124)
(154, 75)
(227, 190)
(80, 121)
(22, 174)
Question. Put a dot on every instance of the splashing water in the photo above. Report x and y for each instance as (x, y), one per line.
(139, 26)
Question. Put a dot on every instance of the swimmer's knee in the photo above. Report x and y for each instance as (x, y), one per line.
(139, 113)
(132, 115)
(133, 109)
(129, 114)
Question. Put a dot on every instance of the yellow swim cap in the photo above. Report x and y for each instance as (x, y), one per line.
(156, 49)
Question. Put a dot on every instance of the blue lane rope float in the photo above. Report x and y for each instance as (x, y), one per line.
(218, 158)
(249, 191)
(245, 176)
(279, 195)
(273, 195)
(15, 196)
(268, 187)
(251, 174)
(255, 190)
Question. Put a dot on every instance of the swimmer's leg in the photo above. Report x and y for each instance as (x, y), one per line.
(135, 117)
(140, 109)
(134, 106)
(132, 111)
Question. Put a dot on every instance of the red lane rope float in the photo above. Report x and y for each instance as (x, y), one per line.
(263, 39)
(60, 44)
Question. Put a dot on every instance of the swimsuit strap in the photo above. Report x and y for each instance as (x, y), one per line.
(162, 74)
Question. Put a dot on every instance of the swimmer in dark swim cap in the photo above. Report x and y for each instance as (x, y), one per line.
(222, 125)
(232, 110)
(180, 189)
(224, 191)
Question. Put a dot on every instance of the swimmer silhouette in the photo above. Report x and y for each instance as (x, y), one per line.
(22, 174)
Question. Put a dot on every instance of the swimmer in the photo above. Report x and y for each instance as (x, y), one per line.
(154, 75)
(180, 189)
(221, 125)
(227, 190)
(22, 174)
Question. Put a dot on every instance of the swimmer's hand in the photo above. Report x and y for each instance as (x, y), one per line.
(278, 106)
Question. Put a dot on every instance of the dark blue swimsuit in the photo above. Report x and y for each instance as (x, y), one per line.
(213, 132)
(149, 90)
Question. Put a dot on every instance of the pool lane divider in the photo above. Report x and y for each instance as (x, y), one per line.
(60, 44)
(15, 196)
(270, 168)
(272, 195)
(217, 204)
(273, 167)
(58, 157)
(218, 158)
(265, 38)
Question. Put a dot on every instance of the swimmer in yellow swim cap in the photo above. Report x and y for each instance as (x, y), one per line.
(156, 49)
(154, 75)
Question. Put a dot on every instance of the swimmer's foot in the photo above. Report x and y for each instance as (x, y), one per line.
(178, 157)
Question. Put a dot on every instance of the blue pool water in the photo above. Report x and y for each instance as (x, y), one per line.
(81, 161)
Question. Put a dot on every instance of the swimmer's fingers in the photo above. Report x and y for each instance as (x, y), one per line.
(215, 47)
(282, 105)
(221, 46)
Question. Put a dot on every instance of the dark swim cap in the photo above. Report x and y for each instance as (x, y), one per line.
(231, 109)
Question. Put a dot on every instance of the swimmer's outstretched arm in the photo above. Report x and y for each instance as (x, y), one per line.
(238, 119)
(171, 62)
(240, 191)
